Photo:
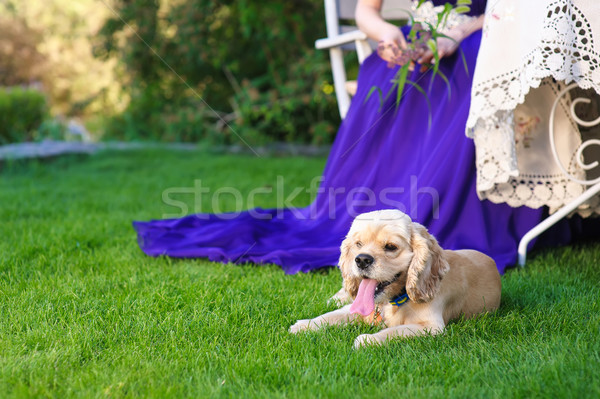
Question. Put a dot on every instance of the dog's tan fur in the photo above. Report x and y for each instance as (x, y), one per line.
(441, 284)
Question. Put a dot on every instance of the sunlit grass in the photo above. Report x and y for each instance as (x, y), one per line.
(84, 313)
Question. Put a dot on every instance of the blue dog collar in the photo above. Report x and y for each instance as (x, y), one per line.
(400, 300)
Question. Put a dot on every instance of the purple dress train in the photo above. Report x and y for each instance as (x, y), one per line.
(383, 157)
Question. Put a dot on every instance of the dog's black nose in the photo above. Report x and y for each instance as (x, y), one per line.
(363, 261)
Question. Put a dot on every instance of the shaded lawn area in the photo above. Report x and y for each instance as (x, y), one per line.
(83, 313)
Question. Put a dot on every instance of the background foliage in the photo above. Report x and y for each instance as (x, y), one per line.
(199, 70)
(46, 43)
(175, 70)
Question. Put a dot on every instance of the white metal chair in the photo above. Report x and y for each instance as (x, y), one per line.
(342, 38)
(592, 183)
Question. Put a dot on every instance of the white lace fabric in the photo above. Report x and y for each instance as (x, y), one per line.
(529, 51)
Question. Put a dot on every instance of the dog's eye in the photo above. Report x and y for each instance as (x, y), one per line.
(390, 247)
(359, 244)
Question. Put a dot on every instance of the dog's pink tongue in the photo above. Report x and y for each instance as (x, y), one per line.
(365, 299)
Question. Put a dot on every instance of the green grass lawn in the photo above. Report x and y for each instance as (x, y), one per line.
(84, 313)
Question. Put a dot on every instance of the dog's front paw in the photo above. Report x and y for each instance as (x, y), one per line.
(364, 340)
(302, 325)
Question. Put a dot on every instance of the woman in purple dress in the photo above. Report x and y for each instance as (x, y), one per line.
(384, 156)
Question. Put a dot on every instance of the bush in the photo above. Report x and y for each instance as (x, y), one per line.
(300, 109)
(220, 67)
(22, 111)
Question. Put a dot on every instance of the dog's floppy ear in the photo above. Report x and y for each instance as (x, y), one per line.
(427, 267)
(351, 283)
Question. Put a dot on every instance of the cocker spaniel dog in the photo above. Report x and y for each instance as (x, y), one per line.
(397, 273)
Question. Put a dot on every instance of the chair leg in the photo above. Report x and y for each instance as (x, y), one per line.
(553, 219)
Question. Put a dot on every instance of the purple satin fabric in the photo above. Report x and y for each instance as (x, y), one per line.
(392, 153)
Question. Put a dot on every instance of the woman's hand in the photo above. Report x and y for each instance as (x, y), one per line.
(391, 43)
(446, 46)
(390, 38)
